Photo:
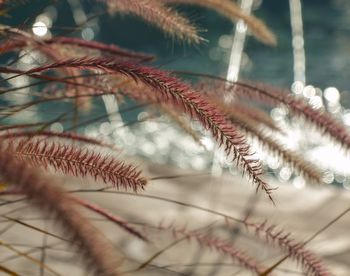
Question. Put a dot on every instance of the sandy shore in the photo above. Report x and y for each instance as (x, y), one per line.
(300, 211)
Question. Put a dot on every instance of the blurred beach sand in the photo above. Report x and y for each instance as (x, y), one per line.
(302, 212)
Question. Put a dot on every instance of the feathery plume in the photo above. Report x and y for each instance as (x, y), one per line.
(308, 170)
(73, 137)
(168, 89)
(272, 95)
(75, 161)
(102, 47)
(47, 196)
(255, 114)
(182, 123)
(248, 125)
(311, 264)
(18, 40)
(232, 11)
(159, 15)
(145, 94)
(298, 107)
(221, 246)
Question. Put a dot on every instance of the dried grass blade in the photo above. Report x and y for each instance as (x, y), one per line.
(158, 14)
(45, 194)
(233, 12)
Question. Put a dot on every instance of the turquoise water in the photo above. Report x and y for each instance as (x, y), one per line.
(326, 27)
(327, 36)
(326, 33)
(326, 30)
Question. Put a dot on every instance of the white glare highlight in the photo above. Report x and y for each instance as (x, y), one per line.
(299, 182)
(332, 94)
(39, 28)
(298, 87)
(309, 91)
(88, 34)
(285, 174)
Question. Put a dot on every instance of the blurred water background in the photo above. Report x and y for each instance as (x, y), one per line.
(326, 26)
(326, 29)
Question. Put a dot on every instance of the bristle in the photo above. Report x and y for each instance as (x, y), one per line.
(296, 161)
(307, 169)
(157, 14)
(233, 12)
(181, 122)
(219, 245)
(72, 137)
(72, 160)
(18, 40)
(143, 93)
(275, 96)
(102, 47)
(255, 114)
(298, 107)
(311, 264)
(170, 90)
(48, 197)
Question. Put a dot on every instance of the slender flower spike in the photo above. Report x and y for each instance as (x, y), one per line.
(311, 264)
(72, 160)
(273, 95)
(72, 137)
(295, 160)
(217, 244)
(158, 14)
(170, 90)
(233, 12)
(47, 195)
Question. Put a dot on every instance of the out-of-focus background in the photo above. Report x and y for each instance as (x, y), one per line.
(311, 58)
(326, 34)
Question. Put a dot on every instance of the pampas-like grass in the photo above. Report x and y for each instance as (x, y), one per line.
(48, 197)
(72, 160)
(182, 123)
(170, 90)
(233, 12)
(271, 95)
(221, 246)
(293, 159)
(16, 41)
(159, 15)
(260, 117)
(104, 48)
(280, 239)
(298, 107)
(307, 169)
(311, 264)
(104, 69)
(71, 137)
